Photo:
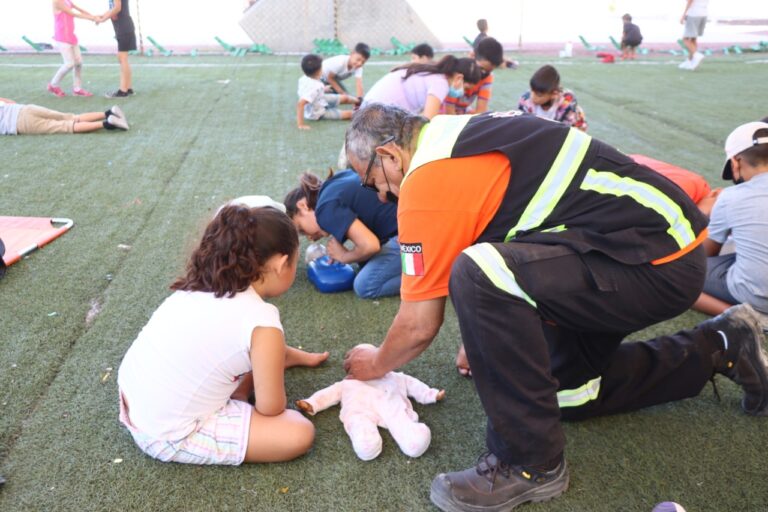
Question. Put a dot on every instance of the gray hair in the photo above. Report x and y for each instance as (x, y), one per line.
(375, 123)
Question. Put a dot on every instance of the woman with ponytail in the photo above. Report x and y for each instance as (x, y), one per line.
(422, 88)
(342, 209)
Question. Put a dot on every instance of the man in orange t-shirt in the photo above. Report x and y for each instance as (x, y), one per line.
(553, 247)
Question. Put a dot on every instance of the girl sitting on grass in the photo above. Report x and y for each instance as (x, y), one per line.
(185, 380)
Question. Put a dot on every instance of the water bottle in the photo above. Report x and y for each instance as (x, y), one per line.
(314, 251)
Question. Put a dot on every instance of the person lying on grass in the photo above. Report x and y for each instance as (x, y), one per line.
(19, 119)
(186, 379)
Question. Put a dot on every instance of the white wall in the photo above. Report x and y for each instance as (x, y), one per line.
(195, 23)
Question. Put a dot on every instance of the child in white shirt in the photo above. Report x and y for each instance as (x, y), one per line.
(340, 67)
(185, 380)
(314, 103)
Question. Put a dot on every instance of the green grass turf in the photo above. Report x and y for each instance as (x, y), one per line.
(196, 142)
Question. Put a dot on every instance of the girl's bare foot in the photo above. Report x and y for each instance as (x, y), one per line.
(462, 363)
(296, 357)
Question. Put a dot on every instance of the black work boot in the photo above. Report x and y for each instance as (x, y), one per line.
(744, 360)
(494, 486)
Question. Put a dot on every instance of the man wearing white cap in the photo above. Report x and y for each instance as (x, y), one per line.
(741, 276)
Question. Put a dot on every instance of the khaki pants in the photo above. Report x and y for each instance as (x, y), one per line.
(34, 120)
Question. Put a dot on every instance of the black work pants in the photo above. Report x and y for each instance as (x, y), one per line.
(555, 349)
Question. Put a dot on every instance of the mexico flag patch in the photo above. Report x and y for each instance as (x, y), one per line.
(412, 259)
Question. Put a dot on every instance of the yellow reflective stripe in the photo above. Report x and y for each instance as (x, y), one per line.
(437, 139)
(492, 264)
(555, 229)
(580, 395)
(555, 182)
(604, 182)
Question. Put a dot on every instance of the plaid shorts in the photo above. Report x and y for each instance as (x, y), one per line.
(222, 438)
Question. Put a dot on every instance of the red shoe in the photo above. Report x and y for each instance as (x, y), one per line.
(56, 90)
(81, 92)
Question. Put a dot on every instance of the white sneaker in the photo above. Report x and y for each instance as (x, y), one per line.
(686, 64)
(117, 111)
(117, 122)
(696, 60)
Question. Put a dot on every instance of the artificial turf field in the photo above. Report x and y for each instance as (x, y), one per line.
(207, 129)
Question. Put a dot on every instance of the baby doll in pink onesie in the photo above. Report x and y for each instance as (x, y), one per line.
(367, 405)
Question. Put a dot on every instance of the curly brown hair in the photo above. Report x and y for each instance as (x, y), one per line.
(234, 248)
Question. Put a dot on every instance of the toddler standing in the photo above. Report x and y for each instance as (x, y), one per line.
(185, 380)
(64, 14)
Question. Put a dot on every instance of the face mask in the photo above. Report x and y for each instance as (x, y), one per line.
(455, 92)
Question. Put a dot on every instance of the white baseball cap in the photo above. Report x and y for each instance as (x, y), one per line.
(741, 139)
(256, 202)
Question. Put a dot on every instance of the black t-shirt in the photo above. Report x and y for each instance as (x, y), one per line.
(632, 34)
(123, 24)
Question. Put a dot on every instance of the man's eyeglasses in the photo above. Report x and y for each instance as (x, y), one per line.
(365, 183)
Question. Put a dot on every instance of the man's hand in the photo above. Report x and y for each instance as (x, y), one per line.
(360, 363)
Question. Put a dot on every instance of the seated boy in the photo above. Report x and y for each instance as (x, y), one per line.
(314, 103)
(548, 100)
(489, 55)
(630, 38)
(341, 67)
(741, 276)
(422, 54)
(19, 119)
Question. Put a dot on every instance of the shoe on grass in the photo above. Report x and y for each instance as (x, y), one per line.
(744, 359)
(686, 64)
(117, 94)
(55, 89)
(696, 60)
(81, 92)
(494, 486)
(117, 111)
(117, 122)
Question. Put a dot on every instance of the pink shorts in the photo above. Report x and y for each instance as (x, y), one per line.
(222, 438)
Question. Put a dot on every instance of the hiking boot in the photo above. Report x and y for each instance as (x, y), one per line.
(743, 360)
(117, 122)
(494, 486)
(54, 89)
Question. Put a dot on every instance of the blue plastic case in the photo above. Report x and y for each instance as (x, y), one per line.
(330, 277)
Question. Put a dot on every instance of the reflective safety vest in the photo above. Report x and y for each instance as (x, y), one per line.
(568, 188)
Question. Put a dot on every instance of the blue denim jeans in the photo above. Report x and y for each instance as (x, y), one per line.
(380, 276)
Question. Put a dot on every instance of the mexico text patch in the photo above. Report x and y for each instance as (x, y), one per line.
(412, 259)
